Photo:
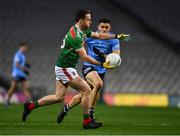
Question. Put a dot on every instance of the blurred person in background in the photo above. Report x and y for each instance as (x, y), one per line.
(20, 72)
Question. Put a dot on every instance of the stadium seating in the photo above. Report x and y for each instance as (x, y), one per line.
(158, 17)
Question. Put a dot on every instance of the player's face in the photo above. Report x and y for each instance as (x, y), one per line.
(86, 23)
(104, 27)
(24, 48)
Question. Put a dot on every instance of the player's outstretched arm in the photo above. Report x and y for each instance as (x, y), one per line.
(125, 37)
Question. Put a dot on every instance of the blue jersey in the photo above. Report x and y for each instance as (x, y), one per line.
(104, 46)
(21, 59)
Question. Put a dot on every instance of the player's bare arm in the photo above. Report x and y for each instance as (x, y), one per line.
(125, 37)
(82, 53)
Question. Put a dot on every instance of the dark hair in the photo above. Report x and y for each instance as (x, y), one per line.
(81, 14)
(104, 20)
(23, 44)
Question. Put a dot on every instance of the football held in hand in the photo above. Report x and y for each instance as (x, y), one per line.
(114, 59)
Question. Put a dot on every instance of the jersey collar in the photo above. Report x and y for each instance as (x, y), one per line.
(78, 28)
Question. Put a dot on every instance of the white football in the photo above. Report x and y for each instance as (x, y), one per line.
(114, 59)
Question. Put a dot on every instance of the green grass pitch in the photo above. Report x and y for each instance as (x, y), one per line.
(116, 120)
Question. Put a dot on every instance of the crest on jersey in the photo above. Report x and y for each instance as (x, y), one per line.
(73, 73)
(84, 36)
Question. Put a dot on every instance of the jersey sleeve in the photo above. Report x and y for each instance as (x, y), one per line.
(88, 32)
(76, 43)
(17, 57)
(115, 44)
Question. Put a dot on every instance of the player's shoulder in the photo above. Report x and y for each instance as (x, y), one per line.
(89, 39)
(74, 33)
(18, 53)
(114, 41)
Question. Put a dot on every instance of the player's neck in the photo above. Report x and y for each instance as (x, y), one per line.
(79, 27)
(20, 50)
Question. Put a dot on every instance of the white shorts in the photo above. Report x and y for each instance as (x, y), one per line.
(65, 74)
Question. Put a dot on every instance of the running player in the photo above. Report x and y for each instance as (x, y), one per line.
(94, 74)
(19, 73)
(66, 74)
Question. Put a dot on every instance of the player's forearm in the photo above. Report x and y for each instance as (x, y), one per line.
(90, 60)
(124, 37)
(82, 53)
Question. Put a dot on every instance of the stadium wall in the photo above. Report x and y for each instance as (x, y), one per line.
(119, 99)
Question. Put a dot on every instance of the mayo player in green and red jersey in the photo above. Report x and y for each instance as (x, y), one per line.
(66, 74)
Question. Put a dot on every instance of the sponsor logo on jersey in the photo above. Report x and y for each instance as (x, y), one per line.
(73, 73)
(84, 36)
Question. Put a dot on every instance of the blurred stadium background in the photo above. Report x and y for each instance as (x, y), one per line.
(149, 74)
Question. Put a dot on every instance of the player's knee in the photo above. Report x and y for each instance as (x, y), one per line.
(86, 91)
(59, 98)
(98, 85)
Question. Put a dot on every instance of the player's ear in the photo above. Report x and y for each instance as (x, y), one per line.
(81, 21)
(110, 28)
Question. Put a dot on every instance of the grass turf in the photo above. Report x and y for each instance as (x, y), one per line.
(116, 120)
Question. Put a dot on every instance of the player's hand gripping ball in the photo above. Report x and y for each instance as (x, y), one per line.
(114, 59)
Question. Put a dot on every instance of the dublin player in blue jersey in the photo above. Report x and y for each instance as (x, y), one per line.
(97, 49)
(20, 72)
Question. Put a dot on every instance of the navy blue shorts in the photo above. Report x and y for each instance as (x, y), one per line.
(87, 69)
(19, 78)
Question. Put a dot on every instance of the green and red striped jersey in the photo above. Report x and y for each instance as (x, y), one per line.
(73, 41)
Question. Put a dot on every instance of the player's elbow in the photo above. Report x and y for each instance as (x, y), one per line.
(84, 57)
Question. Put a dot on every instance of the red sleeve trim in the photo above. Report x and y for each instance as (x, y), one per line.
(72, 32)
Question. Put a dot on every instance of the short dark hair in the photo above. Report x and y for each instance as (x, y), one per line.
(104, 20)
(23, 44)
(81, 14)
